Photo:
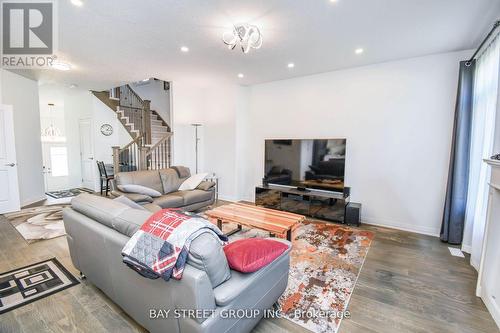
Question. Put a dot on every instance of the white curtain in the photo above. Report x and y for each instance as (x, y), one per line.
(482, 141)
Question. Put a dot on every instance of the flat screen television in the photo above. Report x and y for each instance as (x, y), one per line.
(306, 163)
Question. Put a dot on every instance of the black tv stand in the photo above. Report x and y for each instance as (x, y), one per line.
(328, 205)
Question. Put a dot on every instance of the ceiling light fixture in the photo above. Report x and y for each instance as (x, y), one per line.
(184, 49)
(359, 51)
(59, 65)
(77, 3)
(240, 75)
(245, 35)
(291, 65)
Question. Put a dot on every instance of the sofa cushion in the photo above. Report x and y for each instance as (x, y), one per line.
(136, 197)
(152, 207)
(205, 185)
(134, 188)
(148, 178)
(130, 220)
(170, 180)
(194, 196)
(207, 254)
(169, 201)
(251, 254)
(100, 209)
(132, 204)
(182, 171)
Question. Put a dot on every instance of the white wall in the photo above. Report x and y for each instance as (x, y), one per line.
(397, 118)
(22, 94)
(160, 98)
(216, 107)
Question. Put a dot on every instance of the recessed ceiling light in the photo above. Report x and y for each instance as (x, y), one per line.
(333, 0)
(78, 3)
(62, 66)
(184, 49)
(240, 75)
(359, 51)
(291, 65)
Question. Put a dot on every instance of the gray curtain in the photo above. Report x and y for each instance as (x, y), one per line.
(452, 227)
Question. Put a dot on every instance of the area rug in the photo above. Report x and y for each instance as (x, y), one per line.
(38, 223)
(325, 262)
(28, 284)
(73, 192)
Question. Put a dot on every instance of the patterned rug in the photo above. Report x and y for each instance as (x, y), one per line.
(28, 284)
(73, 192)
(38, 223)
(325, 262)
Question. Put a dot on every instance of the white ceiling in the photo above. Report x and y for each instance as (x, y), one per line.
(114, 41)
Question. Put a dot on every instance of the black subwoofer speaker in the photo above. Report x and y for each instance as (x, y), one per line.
(353, 213)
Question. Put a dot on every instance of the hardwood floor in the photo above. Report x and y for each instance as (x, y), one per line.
(409, 283)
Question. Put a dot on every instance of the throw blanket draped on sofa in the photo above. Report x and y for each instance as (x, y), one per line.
(160, 247)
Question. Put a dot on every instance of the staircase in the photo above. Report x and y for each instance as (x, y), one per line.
(150, 147)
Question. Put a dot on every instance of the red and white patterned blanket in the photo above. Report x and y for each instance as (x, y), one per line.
(161, 246)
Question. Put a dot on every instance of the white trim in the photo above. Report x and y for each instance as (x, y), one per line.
(466, 248)
(492, 307)
(402, 226)
(32, 201)
(227, 198)
(493, 163)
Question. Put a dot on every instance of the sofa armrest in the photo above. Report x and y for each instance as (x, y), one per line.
(136, 197)
(194, 291)
(205, 185)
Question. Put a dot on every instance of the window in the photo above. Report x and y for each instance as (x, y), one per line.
(59, 161)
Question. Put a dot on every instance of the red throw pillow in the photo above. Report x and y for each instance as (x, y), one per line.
(251, 254)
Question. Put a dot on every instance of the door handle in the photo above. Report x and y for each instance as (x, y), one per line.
(11, 165)
(91, 158)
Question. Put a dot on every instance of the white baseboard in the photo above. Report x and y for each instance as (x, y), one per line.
(227, 198)
(378, 222)
(402, 226)
(33, 200)
(492, 307)
(466, 248)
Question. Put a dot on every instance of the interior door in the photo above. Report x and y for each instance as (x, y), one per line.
(9, 189)
(87, 154)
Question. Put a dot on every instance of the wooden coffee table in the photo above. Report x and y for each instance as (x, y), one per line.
(277, 223)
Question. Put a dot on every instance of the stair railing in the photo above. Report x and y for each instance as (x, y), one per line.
(137, 110)
(158, 156)
(128, 158)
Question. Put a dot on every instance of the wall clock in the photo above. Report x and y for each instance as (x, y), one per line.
(106, 129)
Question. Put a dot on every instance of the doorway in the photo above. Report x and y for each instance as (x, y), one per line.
(55, 166)
(87, 153)
(9, 191)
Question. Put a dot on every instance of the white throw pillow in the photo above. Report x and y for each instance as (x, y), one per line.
(131, 188)
(192, 182)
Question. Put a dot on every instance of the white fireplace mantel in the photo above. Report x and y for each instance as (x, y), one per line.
(488, 287)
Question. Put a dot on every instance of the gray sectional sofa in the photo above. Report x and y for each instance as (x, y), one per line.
(97, 230)
(167, 182)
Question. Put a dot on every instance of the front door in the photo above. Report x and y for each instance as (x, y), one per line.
(9, 190)
(55, 166)
(87, 154)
